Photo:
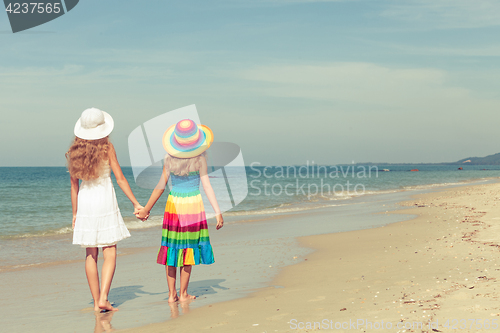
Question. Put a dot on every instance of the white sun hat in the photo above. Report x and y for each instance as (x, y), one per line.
(94, 124)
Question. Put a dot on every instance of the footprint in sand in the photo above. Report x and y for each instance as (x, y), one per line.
(319, 298)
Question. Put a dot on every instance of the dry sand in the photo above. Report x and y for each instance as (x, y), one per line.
(442, 265)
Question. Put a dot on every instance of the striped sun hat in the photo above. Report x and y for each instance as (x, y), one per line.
(186, 139)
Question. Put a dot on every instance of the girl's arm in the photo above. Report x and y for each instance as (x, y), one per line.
(157, 192)
(120, 178)
(209, 191)
(75, 187)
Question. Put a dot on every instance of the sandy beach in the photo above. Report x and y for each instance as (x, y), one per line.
(440, 267)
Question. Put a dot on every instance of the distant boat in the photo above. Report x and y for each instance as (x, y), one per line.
(460, 168)
(414, 170)
(386, 170)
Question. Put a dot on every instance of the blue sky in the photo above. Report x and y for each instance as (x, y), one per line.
(289, 81)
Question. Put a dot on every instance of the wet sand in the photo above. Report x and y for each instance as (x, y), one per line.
(440, 267)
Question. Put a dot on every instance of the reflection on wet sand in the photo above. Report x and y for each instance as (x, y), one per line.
(103, 322)
(174, 308)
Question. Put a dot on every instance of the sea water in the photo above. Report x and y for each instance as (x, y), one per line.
(36, 213)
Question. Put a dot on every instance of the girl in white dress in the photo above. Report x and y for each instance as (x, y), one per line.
(97, 222)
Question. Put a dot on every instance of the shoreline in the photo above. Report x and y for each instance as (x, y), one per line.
(248, 256)
(256, 214)
(430, 268)
(251, 259)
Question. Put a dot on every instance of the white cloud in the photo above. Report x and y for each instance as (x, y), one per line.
(473, 51)
(446, 13)
(48, 74)
(364, 85)
(378, 113)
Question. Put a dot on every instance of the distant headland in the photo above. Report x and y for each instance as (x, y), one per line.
(487, 160)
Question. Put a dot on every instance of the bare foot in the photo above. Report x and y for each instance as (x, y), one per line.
(186, 297)
(96, 308)
(173, 299)
(105, 305)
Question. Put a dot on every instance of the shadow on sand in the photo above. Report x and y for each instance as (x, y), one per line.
(122, 294)
(205, 287)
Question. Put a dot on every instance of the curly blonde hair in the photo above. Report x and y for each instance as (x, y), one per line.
(182, 166)
(85, 157)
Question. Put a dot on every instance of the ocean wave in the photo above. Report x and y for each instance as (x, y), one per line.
(64, 230)
(133, 223)
(313, 202)
(349, 195)
(434, 185)
(277, 210)
(45, 233)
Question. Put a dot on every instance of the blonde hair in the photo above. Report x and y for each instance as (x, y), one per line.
(85, 157)
(182, 166)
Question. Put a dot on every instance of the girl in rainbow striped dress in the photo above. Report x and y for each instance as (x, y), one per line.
(185, 241)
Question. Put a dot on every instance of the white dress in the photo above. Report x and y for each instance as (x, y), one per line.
(98, 222)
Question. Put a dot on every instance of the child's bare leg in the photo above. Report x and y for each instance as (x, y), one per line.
(108, 271)
(172, 292)
(93, 274)
(185, 275)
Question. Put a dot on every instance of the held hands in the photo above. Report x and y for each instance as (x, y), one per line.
(141, 213)
(220, 221)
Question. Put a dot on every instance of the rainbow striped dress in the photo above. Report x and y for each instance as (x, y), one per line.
(185, 238)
